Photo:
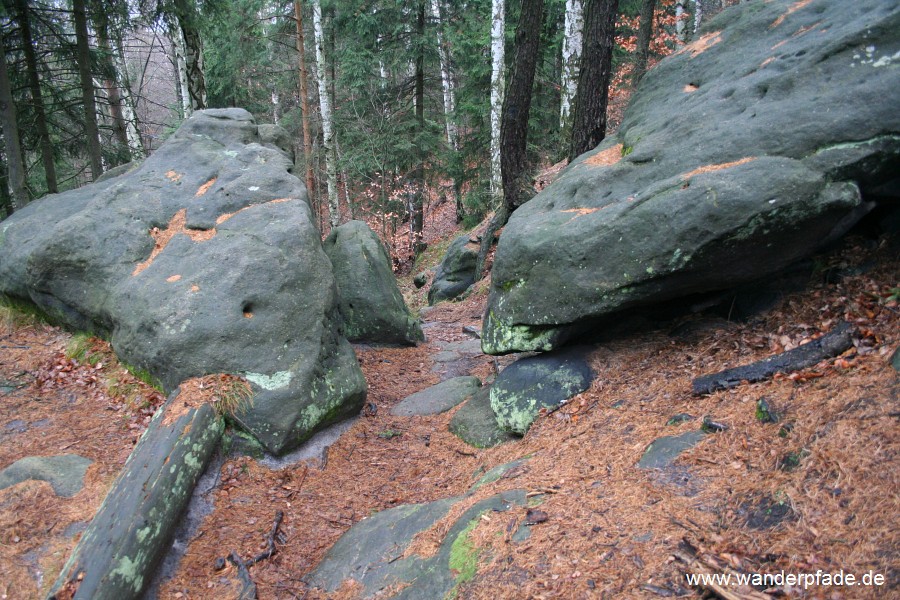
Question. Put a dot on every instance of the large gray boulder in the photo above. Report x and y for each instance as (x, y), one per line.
(741, 153)
(456, 273)
(203, 259)
(370, 301)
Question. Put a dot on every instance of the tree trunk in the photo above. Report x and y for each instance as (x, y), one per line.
(498, 26)
(418, 209)
(334, 215)
(15, 165)
(304, 104)
(109, 79)
(571, 53)
(83, 53)
(446, 78)
(37, 99)
(698, 14)
(186, 14)
(645, 33)
(680, 25)
(130, 533)
(129, 110)
(589, 122)
(517, 186)
(181, 81)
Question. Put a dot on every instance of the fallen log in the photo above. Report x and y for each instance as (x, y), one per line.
(118, 553)
(829, 345)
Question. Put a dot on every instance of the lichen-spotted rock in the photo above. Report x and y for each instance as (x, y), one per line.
(203, 259)
(744, 151)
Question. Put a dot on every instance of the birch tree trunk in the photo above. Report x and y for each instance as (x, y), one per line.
(108, 83)
(181, 83)
(304, 104)
(37, 99)
(680, 25)
(571, 53)
(195, 92)
(698, 14)
(15, 166)
(498, 26)
(129, 110)
(446, 78)
(83, 53)
(334, 215)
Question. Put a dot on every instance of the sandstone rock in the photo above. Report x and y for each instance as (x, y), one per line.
(370, 301)
(203, 259)
(738, 155)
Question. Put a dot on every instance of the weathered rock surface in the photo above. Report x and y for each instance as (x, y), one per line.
(371, 552)
(65, 473)
(437, 398)
(663, 451)
(370, 301)
(456, 273)
(530, 384)
(740, 154)
(475, 424)
(203, 259)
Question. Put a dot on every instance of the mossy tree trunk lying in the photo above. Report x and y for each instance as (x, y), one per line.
(118, 553)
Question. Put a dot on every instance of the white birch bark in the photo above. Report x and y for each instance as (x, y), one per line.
(698, 14)
(571, 52)
(446, 78)
(680, 25)
(334, 215)
(129, 111)
(178, 48)
(498, 24)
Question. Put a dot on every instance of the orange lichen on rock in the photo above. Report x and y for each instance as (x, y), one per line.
(173, 278)
(767, 61)
(719, 167)
(607, 157)
(225, 216)
(690, 88)
(702, 44)
(581, 211)
(174, 176)
(195, 288)
(205, 187)
(163, 236)
(794, 8)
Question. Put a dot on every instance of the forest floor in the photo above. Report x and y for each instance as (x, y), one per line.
(816, 490)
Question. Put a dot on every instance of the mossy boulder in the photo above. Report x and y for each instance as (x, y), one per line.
(456, 273)
(738, 155)
(205, 258)
(370, 301)
(530, 384)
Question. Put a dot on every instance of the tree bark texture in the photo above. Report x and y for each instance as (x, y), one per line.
(109, 79)
(645, 34)
(304, 103)
(571, 53)
(516, 180)
(118, 553)
(186, 13)
(334, 213)
(37, 99)
(446, 77)
(15, 165)
(498, 27)
(83, 54)
(589, 122)
(418, 213)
